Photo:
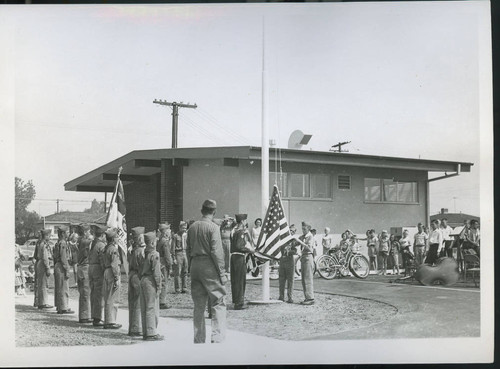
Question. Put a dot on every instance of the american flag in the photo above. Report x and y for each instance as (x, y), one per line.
(275, 231)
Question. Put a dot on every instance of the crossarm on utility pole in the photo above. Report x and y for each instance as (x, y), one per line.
(175, 113)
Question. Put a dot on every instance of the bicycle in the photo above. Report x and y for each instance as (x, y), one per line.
(298, 267)
(346, 259)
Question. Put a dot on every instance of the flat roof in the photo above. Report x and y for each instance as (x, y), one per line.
(138, 165)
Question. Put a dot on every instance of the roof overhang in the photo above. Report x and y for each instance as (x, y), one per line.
(140, 165)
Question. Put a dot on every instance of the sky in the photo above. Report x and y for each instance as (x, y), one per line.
(395, 79)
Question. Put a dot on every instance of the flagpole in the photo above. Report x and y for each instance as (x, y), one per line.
(265, 163)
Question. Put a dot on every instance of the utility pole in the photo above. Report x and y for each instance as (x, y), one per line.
(339, 145)
(175, 114)
(57, 201)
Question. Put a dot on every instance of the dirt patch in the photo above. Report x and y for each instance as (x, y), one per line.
(330, 314)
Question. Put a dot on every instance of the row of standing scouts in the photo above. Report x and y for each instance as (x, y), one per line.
(208, 250)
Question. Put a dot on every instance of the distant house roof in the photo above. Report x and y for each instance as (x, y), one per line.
(72, 217)
(139, 165)
(454, 218)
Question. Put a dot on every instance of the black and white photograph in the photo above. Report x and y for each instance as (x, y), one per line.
(217, 184)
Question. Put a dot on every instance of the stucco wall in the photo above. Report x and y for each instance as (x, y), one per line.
(347, 209)
(205, 179)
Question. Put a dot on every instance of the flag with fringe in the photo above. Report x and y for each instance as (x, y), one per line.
(116, 219)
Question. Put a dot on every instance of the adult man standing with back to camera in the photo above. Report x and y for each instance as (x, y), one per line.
(208, 276)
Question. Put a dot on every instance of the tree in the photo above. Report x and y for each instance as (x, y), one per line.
(97, 207)
(25, 221)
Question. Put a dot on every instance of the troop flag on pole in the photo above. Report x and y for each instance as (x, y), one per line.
(275, 231)
(116, 219)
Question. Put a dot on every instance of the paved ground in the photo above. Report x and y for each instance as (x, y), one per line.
(422, 312)
(430, 312)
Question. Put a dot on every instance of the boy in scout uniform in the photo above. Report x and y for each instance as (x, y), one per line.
(62, 257)
(111, 287)
(84, 243)
(42, 269)
(163, 248)
(208, 275)
(96, 275)
(306, 263)
(136, 258)
(241, 245)
(35, 259)
(150, 289)
(287, 268)
(179, 258)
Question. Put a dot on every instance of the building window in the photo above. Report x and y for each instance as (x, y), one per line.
(388, 190)
(299, 185)
(302, 185)
(281, 180)
(321, 187)
(344, 182)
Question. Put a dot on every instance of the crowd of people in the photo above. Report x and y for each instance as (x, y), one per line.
(213, 252)
(427, 245)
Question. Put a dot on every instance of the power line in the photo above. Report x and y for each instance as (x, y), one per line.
(206, 115)
(207, 133)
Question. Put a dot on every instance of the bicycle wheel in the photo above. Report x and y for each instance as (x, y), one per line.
(326, 267)
(359, 266)
(298, 267)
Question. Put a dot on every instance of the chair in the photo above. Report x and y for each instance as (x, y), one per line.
(471, 267)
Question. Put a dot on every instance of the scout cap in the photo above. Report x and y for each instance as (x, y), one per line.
(136, 231)
(150, 238)
(240, 217)
(46, 232)
(99, 229)
(63, 228)
(84, 227)
(163, 226)
(384, 231)
(182, 223)
(210, 204)
(306, 224)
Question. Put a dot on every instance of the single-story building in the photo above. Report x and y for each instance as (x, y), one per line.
(69, 218)
(338, 190)
(454, 219)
